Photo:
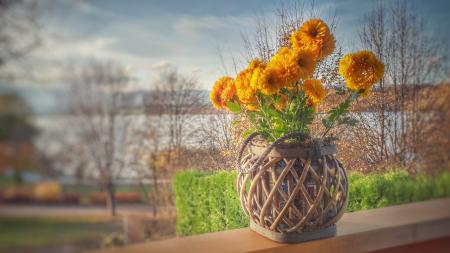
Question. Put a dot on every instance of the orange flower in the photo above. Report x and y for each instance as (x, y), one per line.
(222, 92)
(244, 90)
(270, 81)
(284, 67)
(228, 92)
(315, 92)
(305, 63)
(361, 70)
(314, 35)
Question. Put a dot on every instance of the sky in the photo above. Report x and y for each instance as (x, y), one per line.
(147, 35)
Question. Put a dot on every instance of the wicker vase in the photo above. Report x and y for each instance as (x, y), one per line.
(296, 192)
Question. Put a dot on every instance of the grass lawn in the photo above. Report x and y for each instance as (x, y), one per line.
(27, 233)
(86, 189)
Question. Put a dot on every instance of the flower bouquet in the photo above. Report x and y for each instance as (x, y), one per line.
(290, 184)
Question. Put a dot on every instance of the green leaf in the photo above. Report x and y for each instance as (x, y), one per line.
(271, 112)
(234, 107)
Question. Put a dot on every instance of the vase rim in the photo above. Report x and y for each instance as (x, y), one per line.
(293, 150)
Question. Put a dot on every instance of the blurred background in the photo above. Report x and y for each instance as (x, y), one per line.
(102, 102)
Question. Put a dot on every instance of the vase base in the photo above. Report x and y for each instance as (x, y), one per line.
(294, 237)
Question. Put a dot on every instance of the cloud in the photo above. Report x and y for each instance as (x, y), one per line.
(87, 8)
(162, 65)
(87, 47)
(198, 25)
(137, 39)
(48, 65)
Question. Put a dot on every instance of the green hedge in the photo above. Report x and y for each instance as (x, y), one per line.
(207, 202)
(393, 188)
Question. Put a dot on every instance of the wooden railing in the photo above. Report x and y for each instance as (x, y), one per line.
(416, 227)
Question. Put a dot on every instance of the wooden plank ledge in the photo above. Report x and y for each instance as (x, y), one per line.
(363, 231)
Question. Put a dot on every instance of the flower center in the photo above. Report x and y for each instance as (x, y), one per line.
(313, 32)
(301, 62)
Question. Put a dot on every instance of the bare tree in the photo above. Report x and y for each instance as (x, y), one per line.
(374, 35)
(100, 126)
(398, 124)
(215, 136)
(19, 30)
(177, 98)
(146, 155)
(168, 124)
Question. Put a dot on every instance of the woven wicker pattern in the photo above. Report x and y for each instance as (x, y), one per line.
(292, 193)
